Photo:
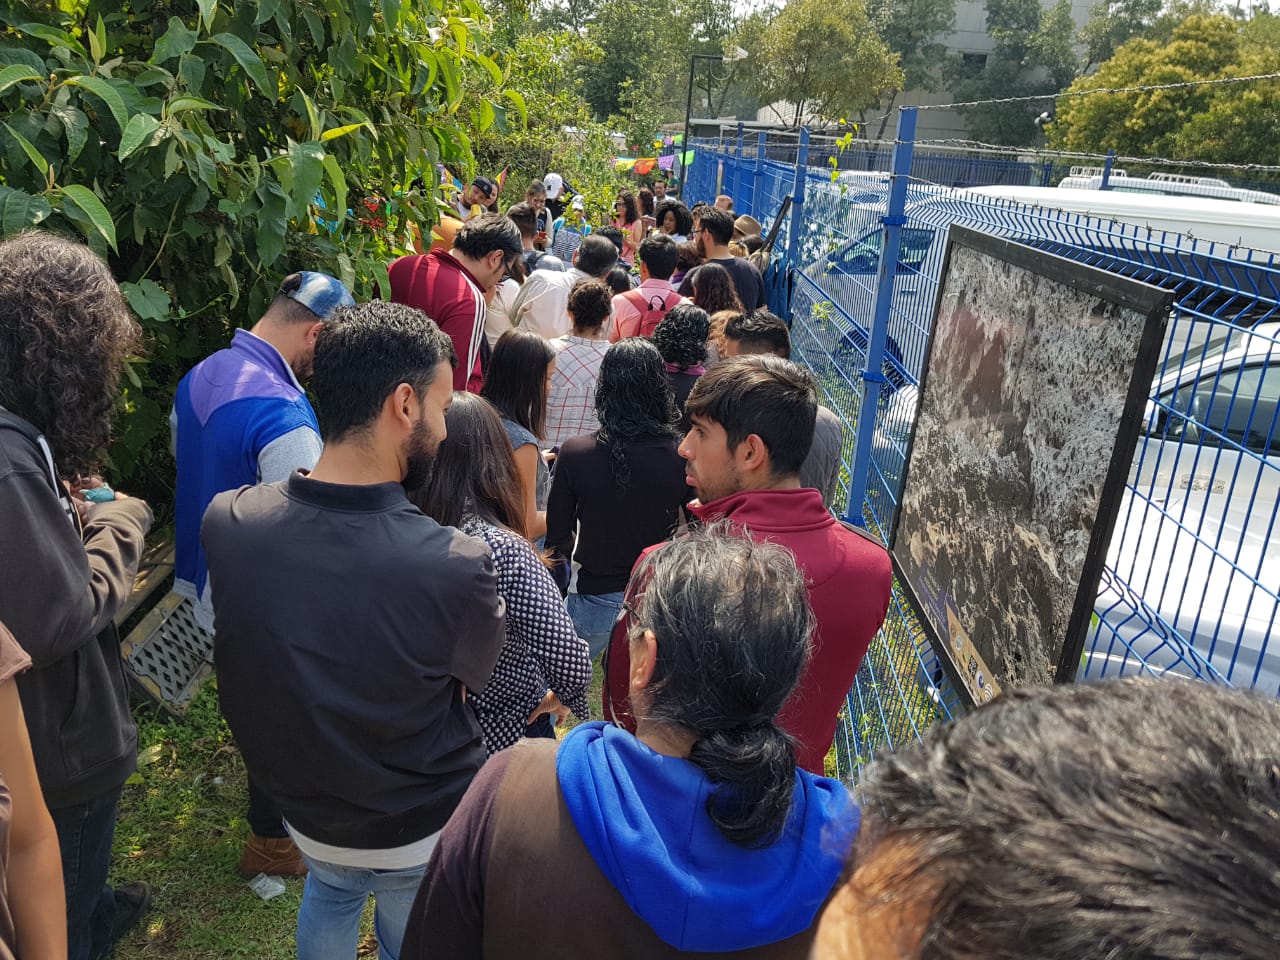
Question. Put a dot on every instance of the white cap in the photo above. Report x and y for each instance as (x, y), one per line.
(578, 203)
(554, 184)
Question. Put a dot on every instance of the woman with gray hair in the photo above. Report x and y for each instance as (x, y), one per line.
(697, 834)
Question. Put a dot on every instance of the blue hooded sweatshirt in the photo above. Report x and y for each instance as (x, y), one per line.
(642, 815)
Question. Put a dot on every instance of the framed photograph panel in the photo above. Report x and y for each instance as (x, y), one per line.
(1028, 412)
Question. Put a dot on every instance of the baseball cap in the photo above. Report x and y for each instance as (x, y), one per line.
(578, 203)
(485, 184)
(554, 184)
(318, 292)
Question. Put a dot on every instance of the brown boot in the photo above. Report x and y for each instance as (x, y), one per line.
(274, 856)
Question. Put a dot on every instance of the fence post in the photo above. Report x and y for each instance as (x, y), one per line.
(735, 190)
(797, 199)
(757, 186)
(1106, 170)
(872, 374)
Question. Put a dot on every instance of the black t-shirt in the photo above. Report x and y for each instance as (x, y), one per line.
(746, 280)
(347, 624)
(615, 524)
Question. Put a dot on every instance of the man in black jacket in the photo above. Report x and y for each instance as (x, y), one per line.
(67, 565)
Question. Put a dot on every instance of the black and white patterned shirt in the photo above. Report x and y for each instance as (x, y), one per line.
(542, 650)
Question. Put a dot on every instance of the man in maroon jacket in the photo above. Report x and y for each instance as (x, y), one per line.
(752, 424)
(452, 286)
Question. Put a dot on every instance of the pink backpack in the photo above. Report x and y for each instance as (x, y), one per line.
(651, 311)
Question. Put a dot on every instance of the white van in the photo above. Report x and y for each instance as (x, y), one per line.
(1139, 236)
(1164, 184)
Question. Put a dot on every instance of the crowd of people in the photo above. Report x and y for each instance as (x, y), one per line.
(521, 464)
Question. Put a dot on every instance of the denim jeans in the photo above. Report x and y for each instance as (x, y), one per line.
(85, 832)
(593, 616)
(334, 898)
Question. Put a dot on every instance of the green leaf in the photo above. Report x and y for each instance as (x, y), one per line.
(518, 101)
(249, 61)
(76, 126)
(89, 204)
(149, 300)
(16, 74)
(172, 160)
(271, 224)
(185, 102)
(342, 131)
(266, 10)
(107, 94)
(208, 10)
(138, 133)
(316, 26)
(51, 35)
(313, 117)
(34, 155)
(494, 70)
(339, 182)
(96, 48)
(19, 210)
(176, 41)
(306, 160)
(391, 14)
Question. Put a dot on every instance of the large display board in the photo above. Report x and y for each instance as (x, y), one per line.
(1029, 408)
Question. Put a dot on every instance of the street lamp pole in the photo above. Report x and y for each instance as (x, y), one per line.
(734, 55)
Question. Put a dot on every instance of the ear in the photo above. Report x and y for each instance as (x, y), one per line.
(644, 657)
(402, 406)
(313, 331)
(752, 454)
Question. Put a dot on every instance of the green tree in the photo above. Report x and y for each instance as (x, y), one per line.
(1033, 55)
(1229, 123)
(207, 148)
(913, 29)
(1114, 22)
(824, 57)
(560, 135)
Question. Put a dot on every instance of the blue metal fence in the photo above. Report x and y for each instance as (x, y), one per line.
(1190, 587)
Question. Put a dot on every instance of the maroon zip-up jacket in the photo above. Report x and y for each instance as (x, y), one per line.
(849, 578)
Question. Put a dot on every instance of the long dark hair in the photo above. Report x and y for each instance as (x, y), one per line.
(646, 201)
(516, 381)
(681, 336)
(732, 622)
(713, 289)
(474, 471)
(64, 334)
(633, 402)
(632, 213)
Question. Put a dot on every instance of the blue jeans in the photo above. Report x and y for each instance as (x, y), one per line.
(85, 832)
(593, 616)
(334, 898)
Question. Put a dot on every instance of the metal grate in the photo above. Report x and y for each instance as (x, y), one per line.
(1192, 587)
(168, 655)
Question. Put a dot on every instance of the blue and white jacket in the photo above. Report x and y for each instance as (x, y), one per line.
(240, 417)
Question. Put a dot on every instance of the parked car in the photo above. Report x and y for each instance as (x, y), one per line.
(1189, 559)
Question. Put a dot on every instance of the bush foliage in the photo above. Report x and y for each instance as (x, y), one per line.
(207, 148)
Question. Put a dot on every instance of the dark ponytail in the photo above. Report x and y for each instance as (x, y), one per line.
(732, 623)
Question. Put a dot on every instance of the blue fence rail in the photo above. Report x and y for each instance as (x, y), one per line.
(1189, 587)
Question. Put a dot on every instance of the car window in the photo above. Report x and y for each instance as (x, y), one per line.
(1236, 405)
(862, 256)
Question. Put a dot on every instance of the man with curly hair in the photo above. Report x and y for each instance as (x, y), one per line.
(68, 564)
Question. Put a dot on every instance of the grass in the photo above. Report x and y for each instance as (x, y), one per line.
(181, 829)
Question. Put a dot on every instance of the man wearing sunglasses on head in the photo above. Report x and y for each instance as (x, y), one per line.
(451, 287)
